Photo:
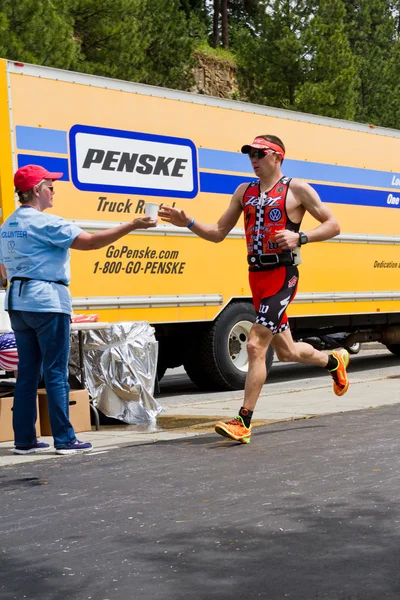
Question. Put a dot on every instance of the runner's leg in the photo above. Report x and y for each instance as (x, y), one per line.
(287, 350)
(259, 340)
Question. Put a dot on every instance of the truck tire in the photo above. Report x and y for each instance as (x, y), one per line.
(394, 348)
(354, 348)
(217, 359)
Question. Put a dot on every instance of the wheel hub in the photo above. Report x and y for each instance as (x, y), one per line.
(237, 344)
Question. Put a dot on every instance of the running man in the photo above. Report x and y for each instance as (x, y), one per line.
(273, 206)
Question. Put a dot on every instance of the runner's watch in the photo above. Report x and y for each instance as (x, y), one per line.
(303, 239)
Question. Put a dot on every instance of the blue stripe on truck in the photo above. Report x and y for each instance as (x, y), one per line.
(334, 194)
(39, 139)
(221, 160)
(53, 164)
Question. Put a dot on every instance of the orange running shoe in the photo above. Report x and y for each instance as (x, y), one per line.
(235, 430)
(339, 375)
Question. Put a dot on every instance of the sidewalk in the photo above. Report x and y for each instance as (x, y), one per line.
(198, 418)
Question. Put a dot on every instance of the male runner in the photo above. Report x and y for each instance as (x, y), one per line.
(273, 206)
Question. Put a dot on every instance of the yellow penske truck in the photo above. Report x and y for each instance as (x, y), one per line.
(120, 144)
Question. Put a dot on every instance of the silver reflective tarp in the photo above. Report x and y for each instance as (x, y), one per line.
(120, 369)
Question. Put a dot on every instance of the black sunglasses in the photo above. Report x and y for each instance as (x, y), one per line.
(258, 154)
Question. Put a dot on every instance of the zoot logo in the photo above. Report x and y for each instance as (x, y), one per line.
(264, 201)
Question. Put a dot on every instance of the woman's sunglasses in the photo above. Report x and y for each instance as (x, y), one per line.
(49, 187)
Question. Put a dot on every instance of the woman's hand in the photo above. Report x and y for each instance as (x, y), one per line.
(144, 222)
(174, 216)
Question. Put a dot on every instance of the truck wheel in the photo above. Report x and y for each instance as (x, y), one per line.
(218, 360)
(394, 348)
(354, 348)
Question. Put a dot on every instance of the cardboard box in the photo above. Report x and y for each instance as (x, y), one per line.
(79, 411)
(6, 428)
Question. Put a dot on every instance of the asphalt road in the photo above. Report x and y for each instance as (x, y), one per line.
(310, 509)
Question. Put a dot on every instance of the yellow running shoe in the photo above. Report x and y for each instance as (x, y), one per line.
(235, 430)
(339, 375)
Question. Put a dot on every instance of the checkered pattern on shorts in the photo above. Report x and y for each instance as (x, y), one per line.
(271, 325)
(283, 327)
(264, 321)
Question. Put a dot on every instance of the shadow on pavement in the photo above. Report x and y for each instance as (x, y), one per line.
(289, 552)
(31, 577)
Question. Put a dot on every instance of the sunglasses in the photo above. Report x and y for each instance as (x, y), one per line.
(259, 154)
(49, 187)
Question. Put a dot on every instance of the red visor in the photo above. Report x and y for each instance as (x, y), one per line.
(30, 175)
(262, 144)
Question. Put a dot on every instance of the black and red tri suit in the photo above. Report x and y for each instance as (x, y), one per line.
(273, 285)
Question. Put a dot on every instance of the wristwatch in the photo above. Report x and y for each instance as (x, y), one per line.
(303, 239)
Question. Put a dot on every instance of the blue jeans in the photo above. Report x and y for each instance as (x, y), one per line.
(42, 341)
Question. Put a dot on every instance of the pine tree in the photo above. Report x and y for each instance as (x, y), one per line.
(372, 35)
(139, 40)
(168, 46)
(271, 57)
(331, 72)
(37, 31)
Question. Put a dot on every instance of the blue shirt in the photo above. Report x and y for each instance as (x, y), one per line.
(36, 245)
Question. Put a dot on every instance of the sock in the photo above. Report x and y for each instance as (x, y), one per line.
(333, 363)
(246, 416)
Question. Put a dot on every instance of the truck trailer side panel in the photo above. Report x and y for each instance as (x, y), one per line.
(121, 144)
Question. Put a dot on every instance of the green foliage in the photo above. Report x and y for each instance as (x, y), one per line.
(271, 59)
(139, 40)
(166, 45)
(37, 31)
(372, 35)
(219, 54)
(330, 69)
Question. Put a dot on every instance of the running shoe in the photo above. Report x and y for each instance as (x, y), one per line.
(32, 449)
(76, 447)
(339, 375)
(235, 430)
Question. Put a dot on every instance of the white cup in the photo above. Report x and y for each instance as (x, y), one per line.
(151, 210)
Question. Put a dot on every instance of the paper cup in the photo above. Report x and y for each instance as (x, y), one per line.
(151, 210)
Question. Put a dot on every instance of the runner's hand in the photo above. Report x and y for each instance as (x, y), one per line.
(175, 216)
(286, 240)
(144, 222)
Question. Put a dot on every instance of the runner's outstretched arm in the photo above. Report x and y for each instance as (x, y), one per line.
(212, 233)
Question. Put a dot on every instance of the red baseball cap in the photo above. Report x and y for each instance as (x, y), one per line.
(26, 177)
(262, 144)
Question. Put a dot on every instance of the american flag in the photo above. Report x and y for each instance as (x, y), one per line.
(8, 352)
